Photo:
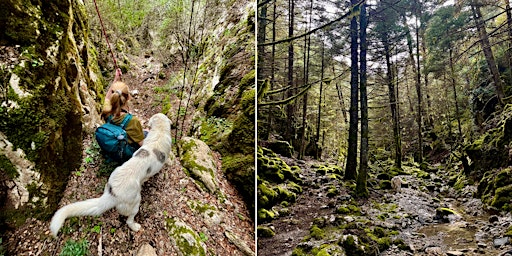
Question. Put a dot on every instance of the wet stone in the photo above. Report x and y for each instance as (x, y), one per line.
(493, 218)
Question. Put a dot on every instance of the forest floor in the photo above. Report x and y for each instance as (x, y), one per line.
(169, 194)
(411, 212)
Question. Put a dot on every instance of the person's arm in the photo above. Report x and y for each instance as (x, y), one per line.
(117, 78)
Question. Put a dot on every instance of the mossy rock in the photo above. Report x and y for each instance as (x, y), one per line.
(284, 194)
(445, 214)
(197, 159)
(503, 198)
(273, 168)
(264, 231)
(265, 215)
(266, 195)
(316, 232)
(186, 240)
(281, 147)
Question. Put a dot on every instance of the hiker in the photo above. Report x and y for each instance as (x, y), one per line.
(115, 110)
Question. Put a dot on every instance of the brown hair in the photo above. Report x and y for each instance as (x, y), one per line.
(119, 97)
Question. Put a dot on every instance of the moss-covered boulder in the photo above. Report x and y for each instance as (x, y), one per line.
(264, 231)
(52, 86)
(198, 162)
(281, 147)
(273, 168)
(184, 238)
(495, 188)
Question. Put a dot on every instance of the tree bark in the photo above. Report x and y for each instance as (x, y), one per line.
(393, 105)
(486, 48)
(361, 185)
(453, 82)
(262, 26)
(319, 117)
(307, 47)
(290, 108)
(351, 165)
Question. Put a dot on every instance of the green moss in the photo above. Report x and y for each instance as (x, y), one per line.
(316, 232)
(342, 210)
(332, 192)
(264, 231)
(199, 207)
(284, 194)
(266, 195)
(265, 215)
(298, 252)
(7, 167)
(181, 234)
(247, 82)
(503, 198)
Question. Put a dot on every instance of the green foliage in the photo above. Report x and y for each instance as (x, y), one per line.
(7, 167)
(75, 248)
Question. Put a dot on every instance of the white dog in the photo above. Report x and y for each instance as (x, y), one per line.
(124, 185)
(396, 184)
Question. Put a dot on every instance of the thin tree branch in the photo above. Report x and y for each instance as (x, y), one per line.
(315, 29)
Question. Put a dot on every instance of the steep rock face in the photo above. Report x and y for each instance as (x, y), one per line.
(50, 79)
(233, 98)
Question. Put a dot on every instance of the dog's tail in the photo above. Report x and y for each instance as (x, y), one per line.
(90, 207)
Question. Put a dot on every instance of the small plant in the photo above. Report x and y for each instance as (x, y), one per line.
(96, 229)
(112, 230)
(203, 237)
(75, 248)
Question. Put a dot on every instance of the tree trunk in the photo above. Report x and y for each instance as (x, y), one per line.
(262, 26)
(457, 112)
(486, 48)
(509, 28)
(290, 109)
(307, 47)
(351, 165)
(415, 64)
(340, 98)
(418, 92)
(393, 105)
(361, 186)
(319, 117)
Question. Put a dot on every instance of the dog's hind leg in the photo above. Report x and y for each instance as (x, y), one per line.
(131, 217)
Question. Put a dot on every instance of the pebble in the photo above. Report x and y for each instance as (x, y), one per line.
(454, 253)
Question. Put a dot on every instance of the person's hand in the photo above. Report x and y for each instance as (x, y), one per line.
(119, 73)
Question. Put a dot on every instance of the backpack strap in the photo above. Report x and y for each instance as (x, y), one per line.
(126, 120)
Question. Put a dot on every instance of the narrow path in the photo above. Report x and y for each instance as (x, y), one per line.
(169, 194)
(312, 203)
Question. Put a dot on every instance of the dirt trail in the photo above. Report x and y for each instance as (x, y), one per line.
(312, 203)
(169, 194)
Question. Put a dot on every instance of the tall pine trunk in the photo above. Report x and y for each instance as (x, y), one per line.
(307, 47)
(262, 26)
(318, 148)
(486, 48)
(290, 107)
(453, 82)
(393, 105)
(361, 185)
(351, 165)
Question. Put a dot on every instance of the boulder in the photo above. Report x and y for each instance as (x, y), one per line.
(198, 162)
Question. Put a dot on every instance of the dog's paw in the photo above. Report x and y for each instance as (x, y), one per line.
(134, 226)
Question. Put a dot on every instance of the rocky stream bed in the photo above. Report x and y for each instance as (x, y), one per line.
(327, 220)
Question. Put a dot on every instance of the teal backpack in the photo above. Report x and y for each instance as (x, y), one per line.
(113, 140)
